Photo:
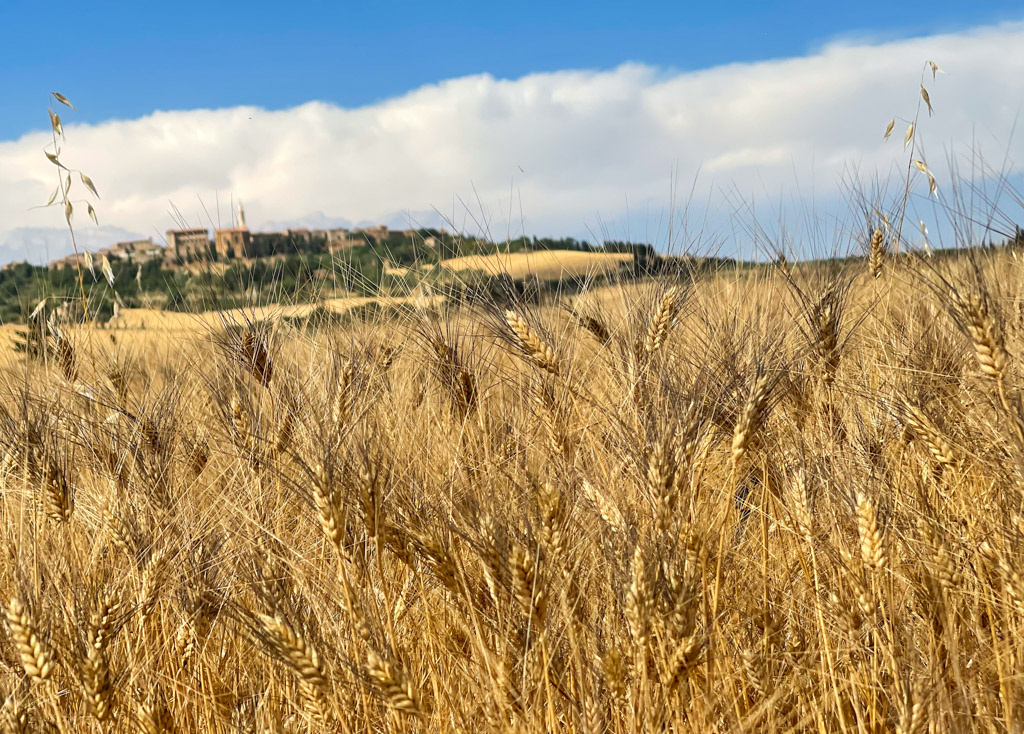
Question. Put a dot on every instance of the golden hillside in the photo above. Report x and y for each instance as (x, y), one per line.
(545, 264)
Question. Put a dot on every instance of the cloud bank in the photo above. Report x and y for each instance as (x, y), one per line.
(549, 153)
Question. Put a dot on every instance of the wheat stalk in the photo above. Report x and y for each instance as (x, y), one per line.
(751, 417)
(661, 321)
(95, 668)
(531, 344)
(37, 658)
(299, 654)
(13, 717)
(396, 689)
(872, 548)
(876, 253)
(984, 332)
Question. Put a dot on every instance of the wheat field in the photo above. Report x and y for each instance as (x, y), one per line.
(786, 499)
(545, 264)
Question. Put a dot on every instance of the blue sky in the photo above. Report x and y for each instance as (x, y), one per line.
(552, 119)
(124, 60)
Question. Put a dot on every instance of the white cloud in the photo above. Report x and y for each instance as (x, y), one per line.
(569, 146)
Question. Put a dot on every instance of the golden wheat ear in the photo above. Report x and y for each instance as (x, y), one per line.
(37, 657)
(254, 353)
(876, 253)
(530, 343)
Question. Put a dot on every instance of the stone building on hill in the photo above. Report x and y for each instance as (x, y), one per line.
(299, 234)
(187, 244)
(336, 239)
(136, 251)
(68, 261)
(234, 242)
(343, 239)
(379, 233)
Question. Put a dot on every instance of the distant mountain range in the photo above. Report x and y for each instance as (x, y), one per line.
(40, 245)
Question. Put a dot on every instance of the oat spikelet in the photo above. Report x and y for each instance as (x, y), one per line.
(36, 656)
(531, 344)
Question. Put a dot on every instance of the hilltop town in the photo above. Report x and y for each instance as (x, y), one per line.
(196, 269)
(238, 242)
